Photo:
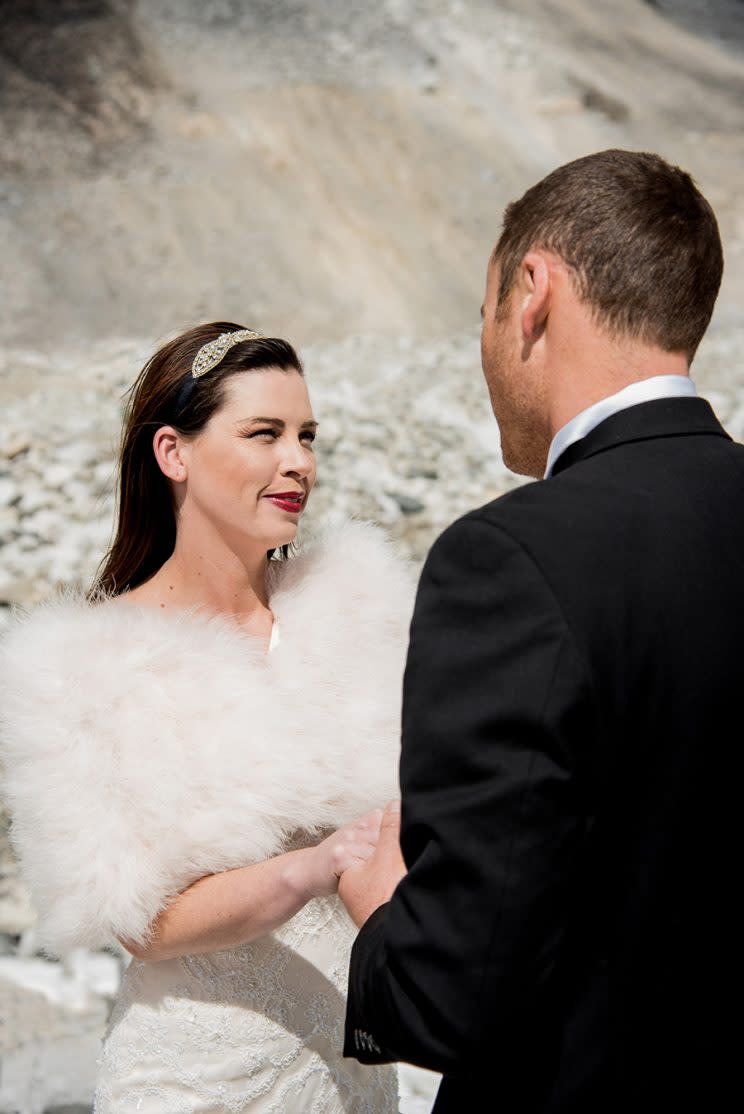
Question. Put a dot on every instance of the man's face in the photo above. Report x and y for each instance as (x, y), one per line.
(514, 384)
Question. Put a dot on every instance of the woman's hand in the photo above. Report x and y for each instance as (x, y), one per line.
(366, 887)
(231, 908)
(350, 846)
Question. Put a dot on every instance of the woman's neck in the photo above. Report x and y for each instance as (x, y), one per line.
(219, 582)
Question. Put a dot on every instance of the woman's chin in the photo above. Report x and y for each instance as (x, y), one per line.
(272, 535)
(283, 537)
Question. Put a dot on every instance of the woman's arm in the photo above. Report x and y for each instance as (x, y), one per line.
(231, 908)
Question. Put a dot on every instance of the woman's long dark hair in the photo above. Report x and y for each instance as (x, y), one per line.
(165, 393)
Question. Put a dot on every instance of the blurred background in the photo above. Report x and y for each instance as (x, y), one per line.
(331, 172)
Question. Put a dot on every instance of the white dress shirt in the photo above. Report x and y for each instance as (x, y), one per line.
(645, 390)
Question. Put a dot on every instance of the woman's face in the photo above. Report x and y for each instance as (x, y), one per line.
(252, 468)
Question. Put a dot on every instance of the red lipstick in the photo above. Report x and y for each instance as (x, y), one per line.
(290, 501)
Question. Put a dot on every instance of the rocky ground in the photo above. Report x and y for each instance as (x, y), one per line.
(406, 439)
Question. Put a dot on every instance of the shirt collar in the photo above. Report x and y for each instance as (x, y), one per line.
(645, 390)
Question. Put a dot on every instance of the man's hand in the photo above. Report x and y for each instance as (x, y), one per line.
(365, 887)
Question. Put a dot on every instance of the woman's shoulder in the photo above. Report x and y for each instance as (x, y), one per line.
(102, 644)
(56, 654)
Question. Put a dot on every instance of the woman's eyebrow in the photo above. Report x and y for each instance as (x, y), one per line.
(278, 422)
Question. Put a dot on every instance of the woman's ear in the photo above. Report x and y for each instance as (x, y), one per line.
(167, 445)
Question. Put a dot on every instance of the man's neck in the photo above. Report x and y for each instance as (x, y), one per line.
(576, 393)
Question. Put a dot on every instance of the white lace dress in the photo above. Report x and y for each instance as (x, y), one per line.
(257, 1028)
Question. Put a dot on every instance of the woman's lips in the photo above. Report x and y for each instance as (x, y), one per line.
(287, 501)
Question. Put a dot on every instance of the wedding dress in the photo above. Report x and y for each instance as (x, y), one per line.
(144, 750)
(257, 1028)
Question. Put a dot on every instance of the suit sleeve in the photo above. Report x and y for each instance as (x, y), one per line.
(496, 709)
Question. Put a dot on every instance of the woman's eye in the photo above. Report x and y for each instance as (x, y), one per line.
(273, 435)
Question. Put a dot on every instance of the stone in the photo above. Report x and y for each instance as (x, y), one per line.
(34, 498)
(48, 1051)
(418, 1088)
(78, 454)
(57, 476)
(13, 444)
(8, 492)
(8, 943)
(9, 520)
(104, 476)
(21, 590)
(45, 523)
(407, 503)
(70, 1108)
(16, 912)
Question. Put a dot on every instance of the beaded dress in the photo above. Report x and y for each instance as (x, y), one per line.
(256, 1028)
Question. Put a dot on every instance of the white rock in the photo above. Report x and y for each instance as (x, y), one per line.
(19, 589)
(45, 523)
(28, 543)
(104, 474)
(7, 580)
(8, 492)
(78, 453)
(58, 476)
(34, 497)
(9, 520)
(75, 984)
(13, 444)
(418, 1089)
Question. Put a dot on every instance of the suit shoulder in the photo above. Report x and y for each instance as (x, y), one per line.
(504, 516)
(497, 535)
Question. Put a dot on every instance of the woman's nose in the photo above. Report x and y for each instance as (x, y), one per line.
(297, 459)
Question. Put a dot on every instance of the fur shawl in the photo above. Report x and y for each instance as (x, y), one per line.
(143, 750)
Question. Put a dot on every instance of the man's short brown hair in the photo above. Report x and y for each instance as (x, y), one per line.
(641, 240)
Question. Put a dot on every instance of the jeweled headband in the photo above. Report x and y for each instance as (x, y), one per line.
(211, 354)
(208, 357)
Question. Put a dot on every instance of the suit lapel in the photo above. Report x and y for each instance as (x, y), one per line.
(664, 417)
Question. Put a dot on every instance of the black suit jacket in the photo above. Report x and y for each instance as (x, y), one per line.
(574, 671)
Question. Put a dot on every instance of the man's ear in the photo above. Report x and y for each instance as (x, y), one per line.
(535, 283)
(167, 444)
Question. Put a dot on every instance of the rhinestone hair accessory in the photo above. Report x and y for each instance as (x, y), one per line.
(211, 354)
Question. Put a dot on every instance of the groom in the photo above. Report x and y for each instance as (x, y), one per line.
(574, 672)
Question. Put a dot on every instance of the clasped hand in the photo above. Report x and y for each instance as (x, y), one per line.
(361, 861)
(368, 882)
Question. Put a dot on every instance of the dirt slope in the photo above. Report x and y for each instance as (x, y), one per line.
(322, 169)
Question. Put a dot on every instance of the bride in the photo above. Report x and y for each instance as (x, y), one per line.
(196, 750)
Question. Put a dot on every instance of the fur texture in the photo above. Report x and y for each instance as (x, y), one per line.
(144, 750)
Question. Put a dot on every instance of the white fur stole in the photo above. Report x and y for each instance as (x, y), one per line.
(143, 750)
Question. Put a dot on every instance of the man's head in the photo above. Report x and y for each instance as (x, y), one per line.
(615, 257)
